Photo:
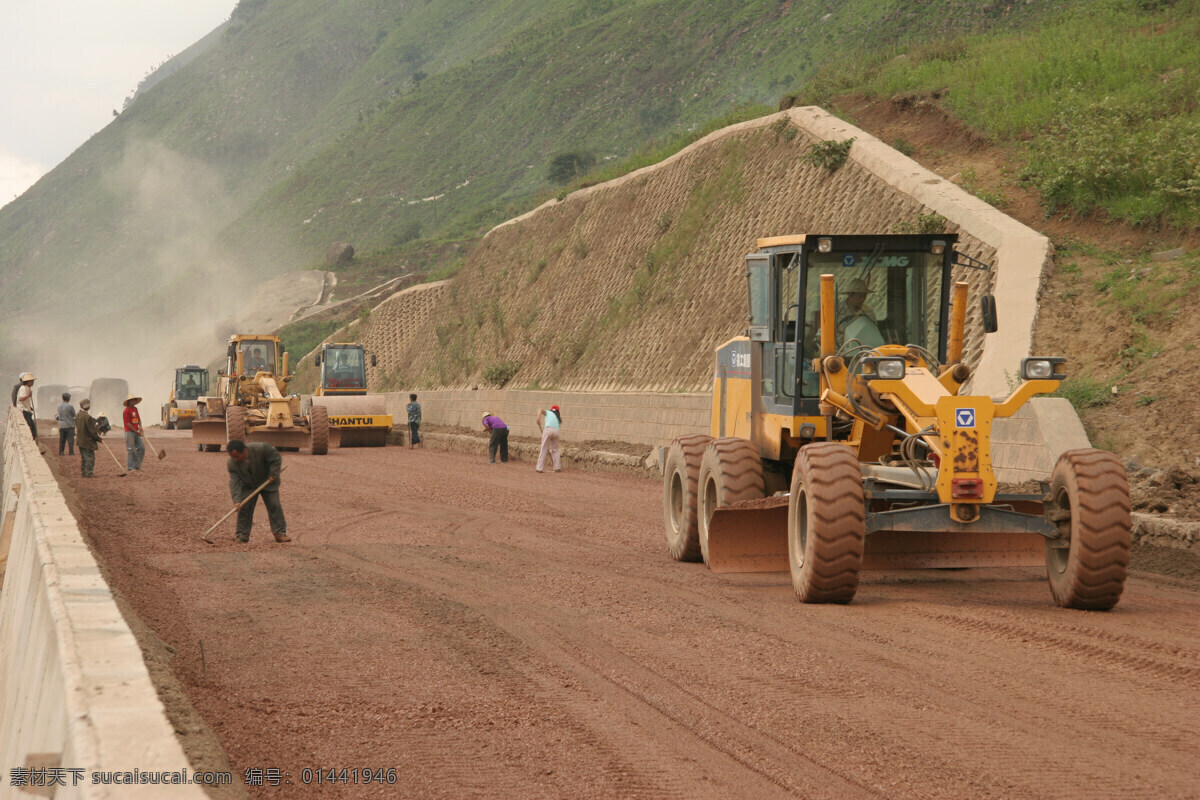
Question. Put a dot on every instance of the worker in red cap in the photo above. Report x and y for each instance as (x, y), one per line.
(550, 423)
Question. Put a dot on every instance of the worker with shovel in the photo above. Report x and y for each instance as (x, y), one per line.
(135, 450)
(253, 467)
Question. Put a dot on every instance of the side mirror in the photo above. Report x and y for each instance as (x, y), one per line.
(317, 360)
(233, 351)
(374, 360)
(987, 306)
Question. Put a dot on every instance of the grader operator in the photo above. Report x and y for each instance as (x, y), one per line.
(834, 448)
(252, 404)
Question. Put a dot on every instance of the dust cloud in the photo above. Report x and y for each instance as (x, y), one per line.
(173, 296)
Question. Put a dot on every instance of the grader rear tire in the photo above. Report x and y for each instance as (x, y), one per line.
(681, 475)
(730, 471)
(1090, 493)
(826, 523)
(235, 423)
(319, 425)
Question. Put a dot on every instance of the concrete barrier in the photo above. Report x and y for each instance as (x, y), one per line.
(77, 707)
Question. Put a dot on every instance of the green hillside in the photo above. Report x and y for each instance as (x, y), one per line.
(406, 128)
(301, 123)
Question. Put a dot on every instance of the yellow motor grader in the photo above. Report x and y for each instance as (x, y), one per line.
(252, 403)
(342, 389)
(835, 448)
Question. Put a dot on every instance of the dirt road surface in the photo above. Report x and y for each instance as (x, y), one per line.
(486, 631)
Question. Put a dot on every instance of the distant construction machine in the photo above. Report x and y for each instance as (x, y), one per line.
(833, 450)
(190, 384)
(251, 402)
(362, 418)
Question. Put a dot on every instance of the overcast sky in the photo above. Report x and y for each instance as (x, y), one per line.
(65, 65)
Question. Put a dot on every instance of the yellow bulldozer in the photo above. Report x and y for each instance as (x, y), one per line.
(835, 448)
(190, 384)
(362, 419)
(252, 403)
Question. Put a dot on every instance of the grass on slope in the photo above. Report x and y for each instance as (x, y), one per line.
(1105, 99)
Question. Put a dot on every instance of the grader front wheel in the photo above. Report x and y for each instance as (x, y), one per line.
(826, 523)
(235, 423)
(731, 471)
(681, 476)
(1089, 501)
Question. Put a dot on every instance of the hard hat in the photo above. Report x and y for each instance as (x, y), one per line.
(857, 286)
(133, 398)
(27, 376)
(554, 408)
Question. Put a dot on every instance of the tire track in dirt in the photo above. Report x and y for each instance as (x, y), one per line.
(1100, 654)
(590, 659)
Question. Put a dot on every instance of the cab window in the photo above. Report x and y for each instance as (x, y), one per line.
(257, 357)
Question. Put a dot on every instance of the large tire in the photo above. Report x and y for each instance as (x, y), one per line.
(730, 471)
(235, 423)
(826, 523)
(1089, 499)
(166, 418)
(681, 475)
(318, 421)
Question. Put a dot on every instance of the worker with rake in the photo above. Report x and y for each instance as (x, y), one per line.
(87, 434)
(253, 469)
(135, 450)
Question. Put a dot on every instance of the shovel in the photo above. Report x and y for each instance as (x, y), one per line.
(159, 454)
(121, 474)
(208, 533)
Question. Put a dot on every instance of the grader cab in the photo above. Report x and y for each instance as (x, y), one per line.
(252, 403)
(839, 440)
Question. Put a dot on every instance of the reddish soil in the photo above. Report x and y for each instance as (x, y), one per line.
(489, 632)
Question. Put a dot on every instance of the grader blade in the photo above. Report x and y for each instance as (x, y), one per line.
(926, 550)
(209, 431)
(749, 537)
(926, 537)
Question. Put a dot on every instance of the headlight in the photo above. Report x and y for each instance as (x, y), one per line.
(937, 247)
(1040, 369)
(882, 368)
(824, 244)
(890, 369)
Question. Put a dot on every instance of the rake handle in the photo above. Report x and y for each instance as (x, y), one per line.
(114, 457)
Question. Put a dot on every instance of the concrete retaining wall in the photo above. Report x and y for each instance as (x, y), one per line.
(74, 691)
(645, 418)
(1024, 447)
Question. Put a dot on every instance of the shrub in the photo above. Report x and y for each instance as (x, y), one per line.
(501, 372)
(1085, 392)
(566, 167)
(829, 154)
